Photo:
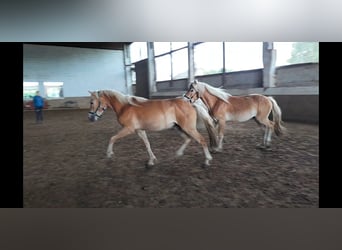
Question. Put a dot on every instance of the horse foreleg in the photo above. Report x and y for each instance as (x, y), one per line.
(143, 136)
(187, 140)
(122, 133)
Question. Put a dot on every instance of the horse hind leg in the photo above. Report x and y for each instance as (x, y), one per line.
(200, 139)
(257, 122)
(143, 136)
(186, 138)
(268, 128)
(181, 149)
(221, 129)
(267, 137)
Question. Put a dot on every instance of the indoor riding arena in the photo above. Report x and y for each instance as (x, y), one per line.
(65, 161)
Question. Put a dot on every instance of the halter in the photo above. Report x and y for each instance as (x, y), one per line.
(198, 97)
(196, 90)
(103, 109)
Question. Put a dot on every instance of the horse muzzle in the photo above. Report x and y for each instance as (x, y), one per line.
(92, 117)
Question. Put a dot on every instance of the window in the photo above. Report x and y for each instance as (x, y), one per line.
(161, 48)
(138, 51)
(53, 89)
(29, 90)
(171, 59)
(295, 52)
(208, 58)
(283, 52)
(243, 56)
(178, 45)
(180, 64)
(163, 68)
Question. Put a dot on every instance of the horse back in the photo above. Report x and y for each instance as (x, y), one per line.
(178, 106)
(247, 102)
(157, 114)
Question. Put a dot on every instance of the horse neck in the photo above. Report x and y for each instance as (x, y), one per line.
(208, 99)
(115, 104)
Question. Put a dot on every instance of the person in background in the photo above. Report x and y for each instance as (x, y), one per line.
(38, 104)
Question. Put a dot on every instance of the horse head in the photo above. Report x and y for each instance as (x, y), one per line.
(97, 106)
(192, 93)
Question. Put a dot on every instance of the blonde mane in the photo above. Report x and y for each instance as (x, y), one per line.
(124, 99)
(218, 92)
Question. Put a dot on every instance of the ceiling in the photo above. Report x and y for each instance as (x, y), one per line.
(92, 45)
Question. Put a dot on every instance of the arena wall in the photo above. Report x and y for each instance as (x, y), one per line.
(296, 90)
(80, 69)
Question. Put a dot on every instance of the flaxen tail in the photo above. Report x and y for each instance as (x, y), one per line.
(276, 111)
(208, 122)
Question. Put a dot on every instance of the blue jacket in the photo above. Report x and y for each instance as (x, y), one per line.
(38, 101)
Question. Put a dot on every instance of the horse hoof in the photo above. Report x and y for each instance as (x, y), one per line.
(215, 151)
(148, 165)
(264, 148)
(179, 155)
(205, 166)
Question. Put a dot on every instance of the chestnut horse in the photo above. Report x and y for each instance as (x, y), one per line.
(136, 114)
(223, 107)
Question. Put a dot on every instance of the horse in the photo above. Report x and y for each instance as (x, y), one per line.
(137, 115)
(224, 107)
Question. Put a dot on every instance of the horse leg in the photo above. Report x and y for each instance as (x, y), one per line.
(221, 128)
(122, 133)
(267, 137)
(187, 140)
(143, 136)
(268, 128)
(200, 139)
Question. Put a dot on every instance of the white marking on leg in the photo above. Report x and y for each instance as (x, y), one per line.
(207, 154)
(110, 150)
(220, 144)
(268, 138)
(265, 136)
(222, 124)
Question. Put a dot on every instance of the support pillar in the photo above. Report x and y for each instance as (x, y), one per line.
(191, 62)
(151, 68)
(269, 60)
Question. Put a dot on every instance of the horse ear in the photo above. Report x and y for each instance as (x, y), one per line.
(90, 92)
(196, 81)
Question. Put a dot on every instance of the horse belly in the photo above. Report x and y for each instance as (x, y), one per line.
(241, 117)
(157, 123)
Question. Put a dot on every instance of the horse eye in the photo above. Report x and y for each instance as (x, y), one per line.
(91, 103)
(192, 90)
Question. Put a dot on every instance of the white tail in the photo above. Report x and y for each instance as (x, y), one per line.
(276, 111)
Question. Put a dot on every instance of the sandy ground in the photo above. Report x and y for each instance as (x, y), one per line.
(65, 166)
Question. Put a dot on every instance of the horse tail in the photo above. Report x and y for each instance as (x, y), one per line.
(276, 112)
(208, 122)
